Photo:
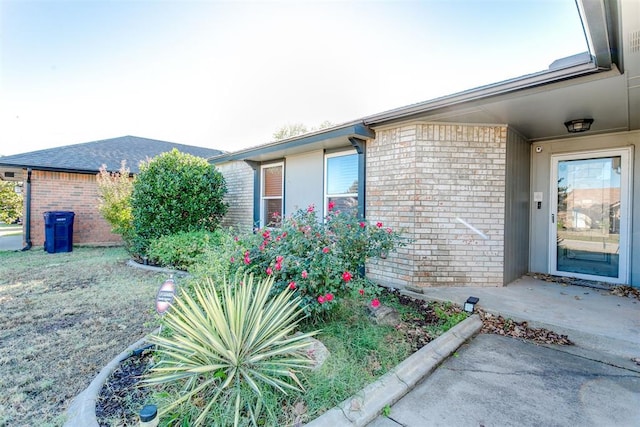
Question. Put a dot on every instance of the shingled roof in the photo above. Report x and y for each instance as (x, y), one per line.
(89, 156)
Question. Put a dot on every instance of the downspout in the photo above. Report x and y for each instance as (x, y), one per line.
(27, 214)
(361, 148)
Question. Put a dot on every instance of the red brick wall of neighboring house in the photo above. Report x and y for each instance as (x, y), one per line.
(59, 191)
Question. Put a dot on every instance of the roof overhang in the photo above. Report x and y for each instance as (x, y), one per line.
(335, 137)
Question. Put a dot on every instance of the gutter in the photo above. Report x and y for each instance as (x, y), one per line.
(27, 214)
(483, 92)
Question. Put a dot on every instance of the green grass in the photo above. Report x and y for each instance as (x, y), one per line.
(360, 352)
(64, 316)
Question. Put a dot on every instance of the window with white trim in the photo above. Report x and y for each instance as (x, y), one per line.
(341, 181)
(272, 183)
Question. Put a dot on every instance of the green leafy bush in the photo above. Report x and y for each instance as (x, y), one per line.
(320, 260)
(114, 194)
(10, 202)
(227, 345)
(175, 192)
(182, 250)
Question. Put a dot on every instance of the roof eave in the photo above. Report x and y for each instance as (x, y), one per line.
(483, 92)
(350, 130)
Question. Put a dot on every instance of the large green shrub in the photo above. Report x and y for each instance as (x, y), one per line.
(10, 202)
(228, 345)
(175, 192)
(182, 250)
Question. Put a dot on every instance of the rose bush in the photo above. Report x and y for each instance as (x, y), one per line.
(322, 261)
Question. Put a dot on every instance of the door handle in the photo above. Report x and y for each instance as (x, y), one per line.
(553, 219)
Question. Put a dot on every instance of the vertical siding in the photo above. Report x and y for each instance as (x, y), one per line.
(517, 207)
(304, 181)
(239, 180)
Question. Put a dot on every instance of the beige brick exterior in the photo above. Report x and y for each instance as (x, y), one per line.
(58, 191)
(422, 178)
(238, 176)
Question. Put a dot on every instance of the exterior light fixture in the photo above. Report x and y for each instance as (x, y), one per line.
(578, 125)
(470, 304)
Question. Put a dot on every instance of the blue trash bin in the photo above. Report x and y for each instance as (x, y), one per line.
(58, 231)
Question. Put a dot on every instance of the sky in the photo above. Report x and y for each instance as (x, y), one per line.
(228, 74)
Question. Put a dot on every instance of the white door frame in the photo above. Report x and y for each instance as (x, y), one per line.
(626, 163)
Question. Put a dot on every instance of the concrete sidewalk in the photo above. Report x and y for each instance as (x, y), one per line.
(594, 319)
(11, 242)
(502, 381)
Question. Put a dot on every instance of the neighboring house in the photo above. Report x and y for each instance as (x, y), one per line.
(479, 179)
(64, 179)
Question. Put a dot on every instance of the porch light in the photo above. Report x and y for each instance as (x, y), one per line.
(578, 125)
(470, 304)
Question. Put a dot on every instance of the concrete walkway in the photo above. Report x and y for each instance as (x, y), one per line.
(502, 381)
(593, 318)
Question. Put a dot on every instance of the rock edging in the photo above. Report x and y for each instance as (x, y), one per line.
(366, 405)
(82, 411)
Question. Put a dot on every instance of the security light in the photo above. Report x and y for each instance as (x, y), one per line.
(578, 125)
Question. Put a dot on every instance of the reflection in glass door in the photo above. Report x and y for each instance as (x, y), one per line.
(590, 219)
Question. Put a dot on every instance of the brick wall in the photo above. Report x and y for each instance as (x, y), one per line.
(57, 191)
(239, 179)
(424, 178)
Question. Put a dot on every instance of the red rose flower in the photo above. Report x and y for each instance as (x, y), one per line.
(328, 297)
(375, 303)
(304, 274)
(361, 291)
(346, 276)
(292, 285)
(321, 299)
(379, 224)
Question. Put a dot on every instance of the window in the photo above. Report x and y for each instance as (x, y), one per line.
(271, 195)
(341, 181)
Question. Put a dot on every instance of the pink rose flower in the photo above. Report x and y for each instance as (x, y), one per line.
(328, 297)
(304, 274)
(321, 299)
(375, 303)
(346, 276)
(292, 285)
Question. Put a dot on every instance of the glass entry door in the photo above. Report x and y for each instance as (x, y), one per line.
(590, 216)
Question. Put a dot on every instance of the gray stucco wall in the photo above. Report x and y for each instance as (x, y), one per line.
(540, 181)
(516, 222)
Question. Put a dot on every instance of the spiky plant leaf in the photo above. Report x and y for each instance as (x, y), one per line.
(228, 339)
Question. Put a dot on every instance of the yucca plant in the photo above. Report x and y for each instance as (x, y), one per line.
(230, 340)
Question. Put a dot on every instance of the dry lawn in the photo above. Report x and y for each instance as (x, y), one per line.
(62, 318)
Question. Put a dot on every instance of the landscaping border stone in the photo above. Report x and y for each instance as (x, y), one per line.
(82, 411)
(366, 405)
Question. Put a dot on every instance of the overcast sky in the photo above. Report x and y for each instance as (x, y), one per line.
(227, 75)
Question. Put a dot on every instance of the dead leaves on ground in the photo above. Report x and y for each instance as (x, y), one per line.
(498, 325)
